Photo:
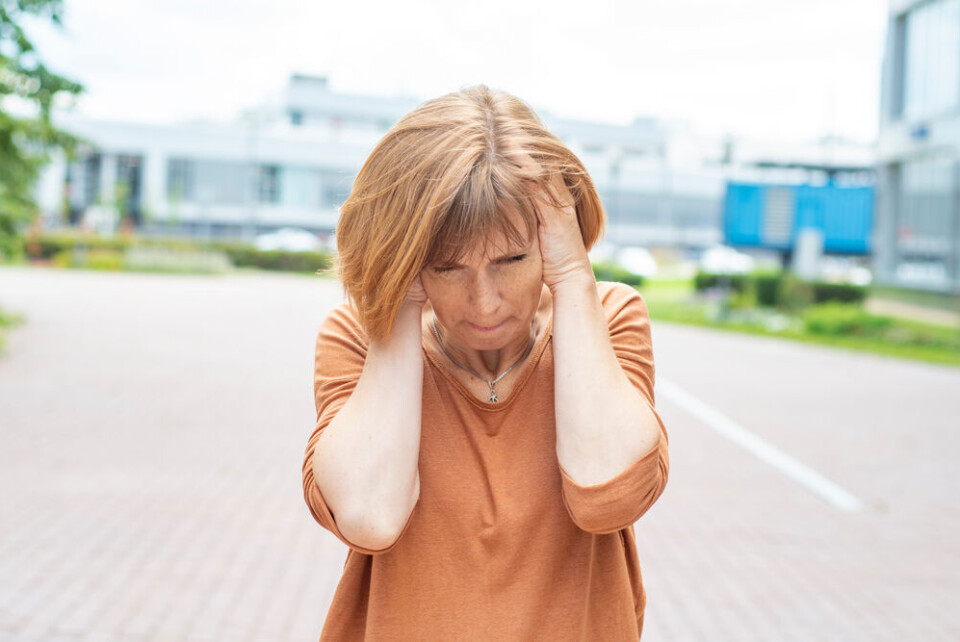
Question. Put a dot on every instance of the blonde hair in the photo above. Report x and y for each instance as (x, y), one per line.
(442, 180)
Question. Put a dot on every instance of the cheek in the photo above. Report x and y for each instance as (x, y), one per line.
(443, 293)
(529, 284)
(534, 273)
(434, 293)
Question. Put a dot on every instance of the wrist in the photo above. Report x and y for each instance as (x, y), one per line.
(410, 314)
(575, 279)
(404, 340)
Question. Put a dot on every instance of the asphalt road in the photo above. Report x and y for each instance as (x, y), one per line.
(153, 429)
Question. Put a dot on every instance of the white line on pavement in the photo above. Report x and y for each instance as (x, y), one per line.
(766, 452)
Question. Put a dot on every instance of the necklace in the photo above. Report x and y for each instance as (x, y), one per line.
(491, 383)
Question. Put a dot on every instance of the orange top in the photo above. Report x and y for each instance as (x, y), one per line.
(502, 544)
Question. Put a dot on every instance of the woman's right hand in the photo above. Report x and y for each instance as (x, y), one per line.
(416, 294)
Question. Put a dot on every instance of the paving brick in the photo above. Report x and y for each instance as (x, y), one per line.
(153, 430)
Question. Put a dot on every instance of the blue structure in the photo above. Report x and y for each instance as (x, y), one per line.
(770, 216)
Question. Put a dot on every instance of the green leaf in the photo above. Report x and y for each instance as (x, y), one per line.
(26, 143)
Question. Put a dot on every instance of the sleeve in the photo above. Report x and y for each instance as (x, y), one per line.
(618, 502)
(341, 350)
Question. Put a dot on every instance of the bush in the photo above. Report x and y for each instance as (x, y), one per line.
(708, 280)
(59, 248)
(98, 259)
(767, 287)
(781, 289)
(46, 246)
(242, 255)
(844, 319)
(742, 300)
(608, 271)
(843, 292)
(155, 259)
(794, 295)
(111, 260)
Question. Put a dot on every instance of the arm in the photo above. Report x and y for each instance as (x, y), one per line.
(604, 424)
(365, 450)
(611, 443)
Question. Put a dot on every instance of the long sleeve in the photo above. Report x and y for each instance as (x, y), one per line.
(616, 503)
(341, 350)
(491, 551)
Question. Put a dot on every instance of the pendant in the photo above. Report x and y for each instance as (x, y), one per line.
(493, 393)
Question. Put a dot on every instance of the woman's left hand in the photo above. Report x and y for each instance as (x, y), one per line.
(561, 241)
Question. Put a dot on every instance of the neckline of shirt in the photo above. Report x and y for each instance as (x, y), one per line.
(440, 361)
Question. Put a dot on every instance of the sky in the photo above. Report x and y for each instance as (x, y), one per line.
(774, 69)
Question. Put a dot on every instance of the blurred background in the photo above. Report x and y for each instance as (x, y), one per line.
(782, 185)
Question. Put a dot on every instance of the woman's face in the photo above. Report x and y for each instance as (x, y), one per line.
(486, 301)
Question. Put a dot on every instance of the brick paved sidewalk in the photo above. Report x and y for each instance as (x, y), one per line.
(153, 430)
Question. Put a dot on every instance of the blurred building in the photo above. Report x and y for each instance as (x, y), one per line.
(292, 160)
(918, 218)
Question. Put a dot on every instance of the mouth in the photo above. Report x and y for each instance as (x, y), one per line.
(491, 328)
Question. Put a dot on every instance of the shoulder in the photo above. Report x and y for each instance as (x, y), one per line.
(342, 318)
(342, 328)
(620, 299)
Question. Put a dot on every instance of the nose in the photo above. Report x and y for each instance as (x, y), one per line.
(485, 298)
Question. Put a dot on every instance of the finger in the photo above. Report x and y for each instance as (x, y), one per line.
(560, 196)
(538, 206)
(542, 216)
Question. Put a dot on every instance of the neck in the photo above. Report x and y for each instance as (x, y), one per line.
(489, 364)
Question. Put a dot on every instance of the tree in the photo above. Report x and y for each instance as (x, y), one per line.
(26, 141)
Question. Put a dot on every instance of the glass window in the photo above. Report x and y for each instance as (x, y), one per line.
(221, 182)
(91, 179)
(300, 187)
(932, 59)
(926, 206)
(268, 184)
(129, 169)
(180, 179)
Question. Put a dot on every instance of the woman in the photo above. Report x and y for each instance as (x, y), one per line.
(486, 433)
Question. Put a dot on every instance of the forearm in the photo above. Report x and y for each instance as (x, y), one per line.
(366, 460)
(603, 423)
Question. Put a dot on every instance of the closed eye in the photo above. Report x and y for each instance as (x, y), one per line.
(443, 269)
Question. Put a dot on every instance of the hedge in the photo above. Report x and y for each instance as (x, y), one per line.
(61, 245)
(843, 319)
(607, 271)
(708, 280)
(783, 289)
(242, 255)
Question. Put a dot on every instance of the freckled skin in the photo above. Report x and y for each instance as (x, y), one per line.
(487, 290)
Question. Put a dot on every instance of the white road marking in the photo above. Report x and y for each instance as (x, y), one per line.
(766, 452)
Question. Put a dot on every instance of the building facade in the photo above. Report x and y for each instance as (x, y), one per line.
(291, 162)
(917, 242)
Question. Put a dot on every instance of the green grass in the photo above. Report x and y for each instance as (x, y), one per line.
(9, 319)
(676, 302)
(668, 290)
